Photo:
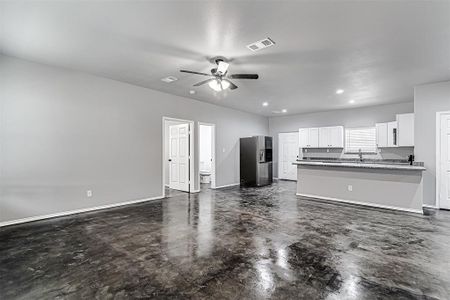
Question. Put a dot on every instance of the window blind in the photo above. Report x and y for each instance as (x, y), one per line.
(361, 138)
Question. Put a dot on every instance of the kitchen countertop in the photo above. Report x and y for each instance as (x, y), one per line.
(360, 165)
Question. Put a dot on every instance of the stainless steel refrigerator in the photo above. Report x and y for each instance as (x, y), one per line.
(256, 161)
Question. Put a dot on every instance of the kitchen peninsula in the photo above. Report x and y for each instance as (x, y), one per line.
(392, 186)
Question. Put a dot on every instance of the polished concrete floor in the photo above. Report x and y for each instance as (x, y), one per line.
(230, 244)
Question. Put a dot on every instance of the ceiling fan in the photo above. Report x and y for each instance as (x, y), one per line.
(220, 78)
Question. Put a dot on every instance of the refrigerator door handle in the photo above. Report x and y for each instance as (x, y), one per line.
(261, 156)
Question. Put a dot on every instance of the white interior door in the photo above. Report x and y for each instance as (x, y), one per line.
(288, 147)
(444, 184)
(179, 157)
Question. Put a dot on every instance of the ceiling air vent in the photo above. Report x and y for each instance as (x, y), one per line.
(261, 44)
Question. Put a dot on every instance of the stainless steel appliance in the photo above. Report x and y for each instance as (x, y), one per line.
(256, 161)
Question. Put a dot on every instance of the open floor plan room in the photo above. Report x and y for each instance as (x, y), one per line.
(207, 149)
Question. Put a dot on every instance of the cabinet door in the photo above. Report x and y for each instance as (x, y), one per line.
(303, 137)
(336, 136)
(392, 134)
(382, 136)
(314, 137)
(324, 137)
(405, 123)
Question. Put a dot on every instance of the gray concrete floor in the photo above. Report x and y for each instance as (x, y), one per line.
(230, 244)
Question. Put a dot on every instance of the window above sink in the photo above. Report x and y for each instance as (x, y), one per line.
(362, 139)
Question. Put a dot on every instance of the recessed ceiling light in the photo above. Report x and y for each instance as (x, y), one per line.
(339, 91)
(265, 104)
(284, 110)
(192, 92)
(169, 79)
(351, 101)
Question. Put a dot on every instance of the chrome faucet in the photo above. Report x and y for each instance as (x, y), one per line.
(360, 155)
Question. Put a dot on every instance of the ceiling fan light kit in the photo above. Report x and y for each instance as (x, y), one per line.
(219, 85)
(220, 78)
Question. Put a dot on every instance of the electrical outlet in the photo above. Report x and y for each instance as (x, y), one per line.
(350, 188)
(89, 193)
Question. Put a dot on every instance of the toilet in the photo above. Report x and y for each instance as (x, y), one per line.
(205, 177)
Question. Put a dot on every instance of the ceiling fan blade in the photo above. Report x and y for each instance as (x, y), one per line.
(232, 85)
(197, 73)
(243, 76)
(203, 82)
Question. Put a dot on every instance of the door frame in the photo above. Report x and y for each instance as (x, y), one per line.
(192, 149)
(213, 153)
(439, 114)
(280, 153)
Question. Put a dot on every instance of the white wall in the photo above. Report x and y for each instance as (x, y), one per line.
(355, 117)
(205, 151)
(64, 132)
(429, 99)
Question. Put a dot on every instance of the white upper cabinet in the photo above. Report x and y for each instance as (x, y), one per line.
(331, 137)
(337, 136)
(303, 137)
(392, 134)
(308, 137)
(314, 137)
(323, 137)
(382, 135)
(405, 128)
(386, 134)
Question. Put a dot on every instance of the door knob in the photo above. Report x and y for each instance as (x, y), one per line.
(169, 159)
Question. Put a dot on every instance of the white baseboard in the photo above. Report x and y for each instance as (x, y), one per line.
(362, 203)
(73, 212)
(430, 206)
(226, 185)
(195, 191)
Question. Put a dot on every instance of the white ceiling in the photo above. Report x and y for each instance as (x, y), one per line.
(376, 51)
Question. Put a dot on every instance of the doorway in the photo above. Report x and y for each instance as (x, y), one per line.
(288, 151)
(443, 160)
(178, 158)
(207, 161)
